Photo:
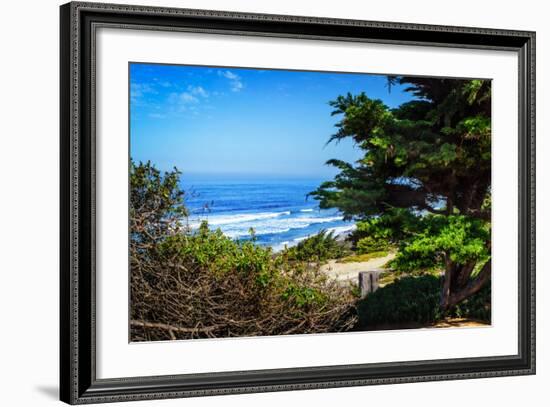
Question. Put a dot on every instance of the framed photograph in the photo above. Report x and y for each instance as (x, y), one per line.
(254, 203)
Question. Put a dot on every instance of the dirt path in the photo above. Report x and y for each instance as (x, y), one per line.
(350, 271)
(460, 323)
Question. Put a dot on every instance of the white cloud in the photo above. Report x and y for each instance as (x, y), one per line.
(188, 100)
(191, 96)
(198, 91)
(229, 75)
(235, 81)
(139, 93)
(135, 90)
(184, 98)
(236, 86)
(157, 116)
(163, 83)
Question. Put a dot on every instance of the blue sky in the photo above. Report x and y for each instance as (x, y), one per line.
(234, 122)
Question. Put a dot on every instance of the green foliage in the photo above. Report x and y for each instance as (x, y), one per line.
(387, 277)
(432, 149)
(370, 244)
(318, 248)
(156, 202)
(457, 238)
(416, 300)
(478, 306)
(424, 181)
(304, 296)
(155, 193)
(220, 255)
(409, 299)
(382, 232)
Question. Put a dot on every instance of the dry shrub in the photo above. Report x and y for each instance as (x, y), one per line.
(208, 286)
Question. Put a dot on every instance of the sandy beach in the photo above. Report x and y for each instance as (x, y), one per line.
(350, 271)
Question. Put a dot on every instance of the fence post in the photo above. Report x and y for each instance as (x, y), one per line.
(368, 282)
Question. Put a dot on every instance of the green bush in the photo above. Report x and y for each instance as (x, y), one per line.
(232, 288)
(370, 244)
(202, 284)
(220, 254)
(463, 239)
(318, 248)
(416, 300)
(382, 232)
(478, 306)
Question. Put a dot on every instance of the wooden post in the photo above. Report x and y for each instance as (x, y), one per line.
(368, 282)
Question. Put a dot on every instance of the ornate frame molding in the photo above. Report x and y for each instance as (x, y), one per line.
(78, 380)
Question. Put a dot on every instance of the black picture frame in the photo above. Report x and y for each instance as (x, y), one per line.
(78, 382)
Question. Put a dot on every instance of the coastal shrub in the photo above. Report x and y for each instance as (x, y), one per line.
(207, 285)
(382, 232)
(202, 284)
(156, 203)
(415, 300)
(318, 248)
(408, 299)
(463, 239)
(369, 244)
(387, 277)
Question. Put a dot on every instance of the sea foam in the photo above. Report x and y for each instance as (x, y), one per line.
(219, 220)
(239, 225)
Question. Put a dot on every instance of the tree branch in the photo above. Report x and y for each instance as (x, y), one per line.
(172, 328)
(473, 287)
(403, 196)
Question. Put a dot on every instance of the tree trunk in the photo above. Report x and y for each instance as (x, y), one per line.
(447, 280)
(457, 284)
(472, 287)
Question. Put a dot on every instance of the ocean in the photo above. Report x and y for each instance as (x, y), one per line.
(278, 210)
